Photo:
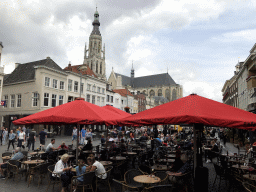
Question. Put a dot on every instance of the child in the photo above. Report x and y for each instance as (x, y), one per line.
(80, 170)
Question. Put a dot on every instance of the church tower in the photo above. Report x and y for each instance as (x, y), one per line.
(94, 56)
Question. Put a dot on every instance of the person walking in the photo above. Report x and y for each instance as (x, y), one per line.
(31, 139)
(21, 139)
(42, 137)
(18, 132)
(83, 133)
(74, 134)
(5, 135)
(11, 139)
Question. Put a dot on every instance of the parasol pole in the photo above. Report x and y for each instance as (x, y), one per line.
(77, 141)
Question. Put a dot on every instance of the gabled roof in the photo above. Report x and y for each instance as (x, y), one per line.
(123, 92)
(148, 81)
(26, 71)
(85, 69)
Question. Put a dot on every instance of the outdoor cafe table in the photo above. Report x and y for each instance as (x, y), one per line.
(37, 153)
(69, 156)
(171, 156)
(118, 158)
(129, 153)
(243, 167)
(88, 151)
(160, 167)
(250, 177)
(169, 160)
(106, 163)
(33, 162)
(146, 179)
(6, 158)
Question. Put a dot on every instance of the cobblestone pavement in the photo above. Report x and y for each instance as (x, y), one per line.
(21, 185)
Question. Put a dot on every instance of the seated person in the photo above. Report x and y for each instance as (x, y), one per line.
(178, 162)
(214, 148)
(88, 146)
(63, 146)
(113, 147)
(122, 146)
(96, 166)
(102, 140)
(50, 147)
(17, 156)
(62, 170)
(143, 138)
(80, 170)
(184, 169)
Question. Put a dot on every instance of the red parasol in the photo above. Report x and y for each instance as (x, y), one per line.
(194, 109)
(116, 110)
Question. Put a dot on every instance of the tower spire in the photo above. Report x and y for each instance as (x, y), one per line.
(96, 24)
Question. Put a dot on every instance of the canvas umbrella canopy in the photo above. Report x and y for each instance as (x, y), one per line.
(78, 111)
(194, 109)
(116, 110)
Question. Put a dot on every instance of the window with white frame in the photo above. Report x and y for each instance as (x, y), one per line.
(12, 101)
(0, 83)
(62, 85)
(98, 89)
(54, 98)
(70, 85)
(35, 99)
(47, 81)
(61, 99)
(82, 87)
(93, 99)
(102, 101)
(46, 99)
(88, 98)
(103, 91)
(6, 101)
(112, 99)
(76, 86)
(88, 87)
(19, 100)
(54, 83)
(94, 88)
(107, 98)
(70, 98)
(98, 100)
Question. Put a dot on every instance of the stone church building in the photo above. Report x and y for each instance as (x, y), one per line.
(158, 86)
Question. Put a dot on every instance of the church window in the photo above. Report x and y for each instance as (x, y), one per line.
(97, 67)
(152, 93)
(160, 92)
(99, 48)
(101, 68)
(95, 45)
(174, 94)
(91, 65)
(167, 94)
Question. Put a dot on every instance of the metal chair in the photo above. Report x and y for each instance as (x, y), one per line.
(87, 181)
(121, 186)
(104, 181)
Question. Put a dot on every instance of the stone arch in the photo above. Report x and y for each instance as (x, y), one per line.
(159, 93)
(101, 68)
(96, 66)
(174, 94)
(152, 93)
(167, 94)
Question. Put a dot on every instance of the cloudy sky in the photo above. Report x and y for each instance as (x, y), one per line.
(199, 41)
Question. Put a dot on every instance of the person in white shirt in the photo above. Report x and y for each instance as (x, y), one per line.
(21, 139)
(5, 134)
(61, 169)
(74, 134)
(96, 166)
(50, 147)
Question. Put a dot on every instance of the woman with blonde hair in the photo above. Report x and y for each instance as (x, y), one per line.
(62, 170)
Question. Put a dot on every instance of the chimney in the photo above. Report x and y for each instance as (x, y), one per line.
(16, 65)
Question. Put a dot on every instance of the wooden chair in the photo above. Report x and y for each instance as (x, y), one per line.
(52, 180)
(87, 181)
(13, 169)
(162, 175)
(146, 170)
(120, 186)
(104, 181)
(128, 178)
(157, 188)
(249, 187)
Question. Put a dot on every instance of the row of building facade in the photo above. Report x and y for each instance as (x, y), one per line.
(240, 90)
(39, 85)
